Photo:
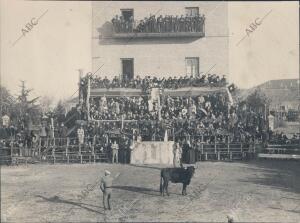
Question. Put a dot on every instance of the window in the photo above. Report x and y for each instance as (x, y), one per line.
(192, 66)
(127, 69)
(127, 14)
(192, 11)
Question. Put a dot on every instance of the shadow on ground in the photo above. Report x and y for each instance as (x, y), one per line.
(280, 174)
(56, 199)
(142, 190)
(145, 166)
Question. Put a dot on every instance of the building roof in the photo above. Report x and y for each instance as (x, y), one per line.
(278, 91)
(281, 84)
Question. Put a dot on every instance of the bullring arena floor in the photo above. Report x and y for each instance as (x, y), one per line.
(252, 191)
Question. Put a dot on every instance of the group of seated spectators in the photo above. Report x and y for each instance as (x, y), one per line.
(214, 124)
(204, 115)
(210, 108)
(127, 108)
(281, 138)
(209, 80)
(159, 24)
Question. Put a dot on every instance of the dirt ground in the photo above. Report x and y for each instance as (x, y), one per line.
(254, 191)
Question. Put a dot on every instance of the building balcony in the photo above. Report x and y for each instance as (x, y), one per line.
(134, 92)
(176, 27)
(158, 35)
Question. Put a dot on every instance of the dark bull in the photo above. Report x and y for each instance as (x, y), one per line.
(175, 175)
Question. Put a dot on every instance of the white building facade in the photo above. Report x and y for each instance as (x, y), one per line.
(160, 55)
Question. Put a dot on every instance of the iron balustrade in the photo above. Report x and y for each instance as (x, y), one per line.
(172, 24)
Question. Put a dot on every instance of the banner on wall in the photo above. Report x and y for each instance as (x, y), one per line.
(152, 153)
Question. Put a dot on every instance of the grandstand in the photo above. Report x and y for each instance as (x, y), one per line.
(202, 118)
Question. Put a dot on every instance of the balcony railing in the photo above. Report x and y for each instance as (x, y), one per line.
(160, 27)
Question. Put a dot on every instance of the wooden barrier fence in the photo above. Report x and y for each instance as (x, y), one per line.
(68, 150)
(57, 150)
(293, 149)
(221, 151)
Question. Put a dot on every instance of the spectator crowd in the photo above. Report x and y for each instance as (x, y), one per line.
(148, 82)
(208, 115)
(128, 108)
(159, 24)
(114, 122)
(280, 138)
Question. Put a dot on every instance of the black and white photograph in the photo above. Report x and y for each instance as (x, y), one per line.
(149, 111)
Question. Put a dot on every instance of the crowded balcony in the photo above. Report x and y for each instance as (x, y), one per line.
(208, 81)
(159, 27)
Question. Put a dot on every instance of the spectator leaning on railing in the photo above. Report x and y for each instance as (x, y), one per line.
(159, 24)
(209, 80)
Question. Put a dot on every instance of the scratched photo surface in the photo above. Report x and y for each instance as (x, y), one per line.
(143, 111)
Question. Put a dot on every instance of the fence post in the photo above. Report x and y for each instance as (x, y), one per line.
(11, 150)
(40, 145)
(215, 144)
(228, 145)
(67, 146)
(53, 154)
(67, 149)
(94, 144)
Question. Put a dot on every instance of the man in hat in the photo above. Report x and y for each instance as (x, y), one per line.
(106, 188)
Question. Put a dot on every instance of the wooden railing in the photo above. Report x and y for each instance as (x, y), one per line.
(283, 149)
(68, 150)
(221, 151)
(55, 150)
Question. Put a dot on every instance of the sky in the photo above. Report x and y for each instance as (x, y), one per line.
(49, 55)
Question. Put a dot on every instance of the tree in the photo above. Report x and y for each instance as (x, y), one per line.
(60, 112)
(27, 111)
(257, 101)
(7, 101)
(72, 116)
(258, 105)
